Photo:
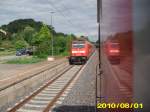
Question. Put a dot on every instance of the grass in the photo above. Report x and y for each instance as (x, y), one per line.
(33, 59)
(7, 52)
(25, 60)
(63, 54)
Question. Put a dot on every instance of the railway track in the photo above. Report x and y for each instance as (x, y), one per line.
(43, 99)
(11, 81)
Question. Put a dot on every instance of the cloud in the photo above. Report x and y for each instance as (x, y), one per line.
(72, 16)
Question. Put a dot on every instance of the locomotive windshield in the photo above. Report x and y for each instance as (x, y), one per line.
(78, 46)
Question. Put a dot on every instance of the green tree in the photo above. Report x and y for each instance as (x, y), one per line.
(61, 43)
(28, 34)
(17, 36)
(20, 44)
(68, 41)
(42, 41)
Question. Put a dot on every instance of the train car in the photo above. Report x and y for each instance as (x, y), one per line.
(112, 50)
(80, 51)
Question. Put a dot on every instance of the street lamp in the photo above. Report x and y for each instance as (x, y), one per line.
(52, 52)
(52, 48)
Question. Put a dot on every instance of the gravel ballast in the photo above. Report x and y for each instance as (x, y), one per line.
(81, 97)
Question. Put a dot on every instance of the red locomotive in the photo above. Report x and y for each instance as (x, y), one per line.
(80, 51)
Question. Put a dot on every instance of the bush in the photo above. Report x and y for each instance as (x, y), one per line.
(43, 56)
(20, 44)
(66, 53)
(2, 49)
(42, 42)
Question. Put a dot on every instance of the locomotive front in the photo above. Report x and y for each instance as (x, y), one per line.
(79, 52)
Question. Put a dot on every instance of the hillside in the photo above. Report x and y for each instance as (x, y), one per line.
(28, 33)
(19, 25)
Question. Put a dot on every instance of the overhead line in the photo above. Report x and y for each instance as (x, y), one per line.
(68, 20)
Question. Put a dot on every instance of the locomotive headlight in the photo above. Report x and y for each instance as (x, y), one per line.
(114, 51)
(82, 51)
(74, 51)
(78, 51)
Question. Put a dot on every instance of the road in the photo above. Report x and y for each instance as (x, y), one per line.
(2, 58)
(8, 70)
(6, 58)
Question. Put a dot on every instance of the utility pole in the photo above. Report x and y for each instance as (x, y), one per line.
(52, 40)
(99, 73)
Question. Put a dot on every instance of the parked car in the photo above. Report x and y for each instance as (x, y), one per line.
(29, 52)
(18, 53)
(24, 51)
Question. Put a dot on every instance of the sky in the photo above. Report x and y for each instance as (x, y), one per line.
(72, 16)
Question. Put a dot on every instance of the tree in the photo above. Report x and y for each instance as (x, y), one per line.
(20, 44)
(42, 41)
(28, 34)
(20, 24)
(68, 41)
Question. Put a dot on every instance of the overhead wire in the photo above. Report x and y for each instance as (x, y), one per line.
(65, 16)
(68, 10)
